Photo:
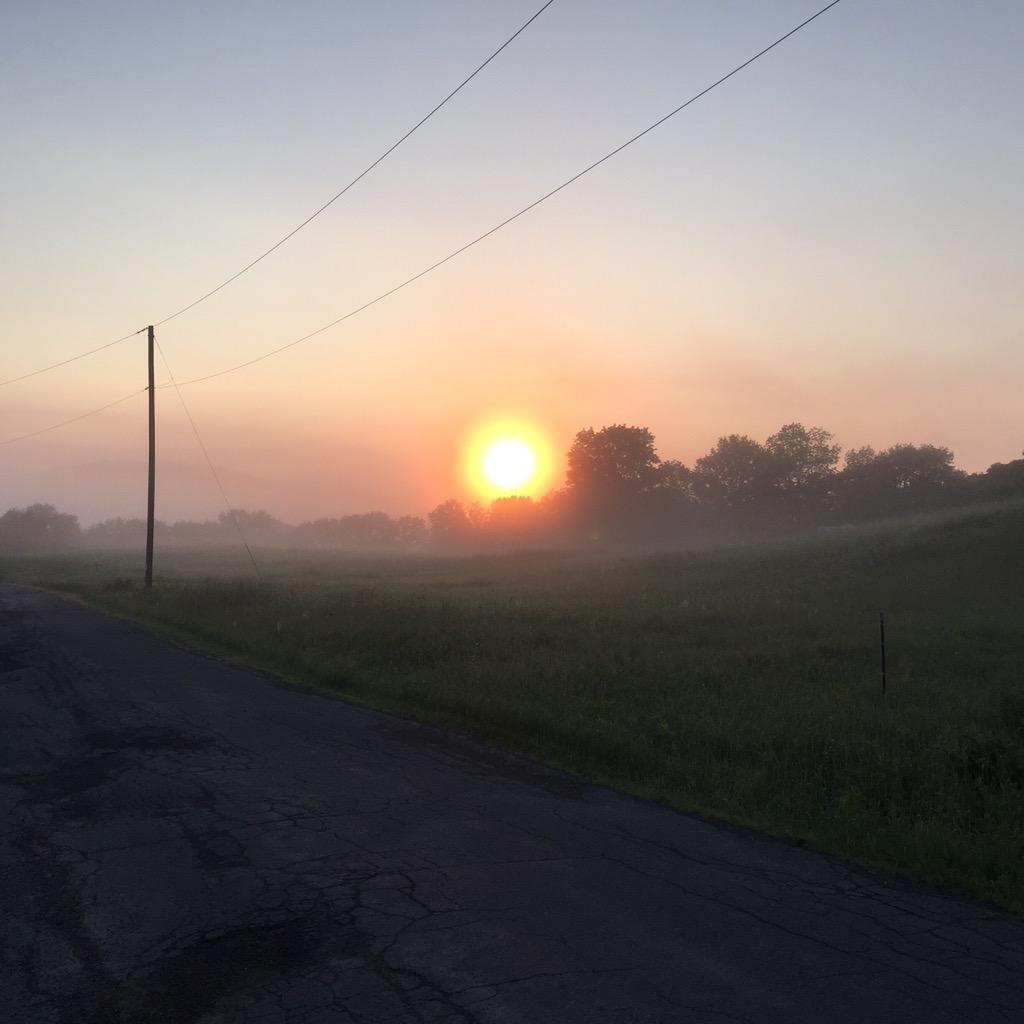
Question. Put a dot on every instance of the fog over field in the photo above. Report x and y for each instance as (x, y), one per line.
(742, 682)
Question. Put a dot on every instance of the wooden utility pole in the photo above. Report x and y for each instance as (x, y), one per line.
(151, 506)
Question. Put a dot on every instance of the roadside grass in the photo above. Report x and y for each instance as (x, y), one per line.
(741, 683)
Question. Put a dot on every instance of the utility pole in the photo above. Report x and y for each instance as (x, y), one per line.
(151, 507)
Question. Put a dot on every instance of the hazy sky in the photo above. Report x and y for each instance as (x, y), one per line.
(833, 236)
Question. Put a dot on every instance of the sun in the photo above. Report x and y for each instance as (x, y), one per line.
(509, 463)
(506, 457)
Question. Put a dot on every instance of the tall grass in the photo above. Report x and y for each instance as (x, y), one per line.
(741, 683)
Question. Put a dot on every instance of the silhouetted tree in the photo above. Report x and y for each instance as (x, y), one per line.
(858, 459)
(37, 529)
(802, 467)
(190, 533)
(801, 456)
(609, 473)
(516, 520)
(412, 533)
(450, 526)
(372, 531)
(1002, 480)
(556, 516)
(613, 462)
(733, 480)
(477, 516)
(258, 527)
(671, 475)
(903, 478)
(123, 533)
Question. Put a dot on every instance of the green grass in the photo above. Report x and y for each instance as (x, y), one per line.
(742, 683)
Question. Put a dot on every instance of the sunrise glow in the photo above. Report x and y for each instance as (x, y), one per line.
(509, 463)
(505, 457)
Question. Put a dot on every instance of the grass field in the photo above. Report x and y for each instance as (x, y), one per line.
(743, 683)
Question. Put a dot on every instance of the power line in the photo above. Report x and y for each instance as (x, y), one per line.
(434, 266)
(71, 359)
(526, 209)
(359, 177)
(316, 213)
(74, 419)
(209, 462)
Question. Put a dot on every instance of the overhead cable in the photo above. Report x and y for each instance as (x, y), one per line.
(316, 213)
(515, 216)
(209, 462)
(73, 419)
(71, 359)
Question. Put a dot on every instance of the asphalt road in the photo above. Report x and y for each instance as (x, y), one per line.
(187, 841)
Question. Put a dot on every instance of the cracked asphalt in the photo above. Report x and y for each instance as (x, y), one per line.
(186, 841)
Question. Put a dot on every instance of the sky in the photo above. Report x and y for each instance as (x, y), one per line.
(831, 237)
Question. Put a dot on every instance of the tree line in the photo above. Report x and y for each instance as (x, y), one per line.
(617, 491)
(43, 529)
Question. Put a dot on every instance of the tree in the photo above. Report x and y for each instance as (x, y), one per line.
(365, 530)
(612, 462)
(514, 518)
(903, 478)
(924, 469)
(189, 532)
(369, 530)
(1003, 479)
(734, 477)
(259, 526)
(674, 478)
(858, 459)
(610, 474)
(450, 526)
(122, 533)
(801, 457)
(412, 533)
(37, 529)
(803, 469)
(477, 517)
